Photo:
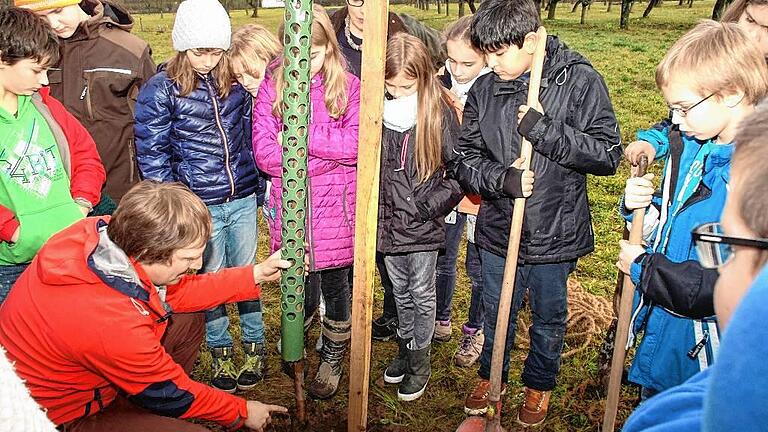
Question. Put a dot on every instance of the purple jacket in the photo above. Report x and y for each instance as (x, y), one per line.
(332, 171)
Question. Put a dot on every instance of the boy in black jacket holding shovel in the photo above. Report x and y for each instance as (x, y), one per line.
(575, 134)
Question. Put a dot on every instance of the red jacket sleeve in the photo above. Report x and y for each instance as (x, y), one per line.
(87, 172)
(139, 365)
(201, 292)
(8, 223)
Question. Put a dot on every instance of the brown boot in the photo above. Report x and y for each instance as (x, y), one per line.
(533, 411)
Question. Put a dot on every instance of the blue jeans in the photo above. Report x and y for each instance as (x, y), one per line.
(232, 244)
(446, 275)
(548, 297)
(8, 276)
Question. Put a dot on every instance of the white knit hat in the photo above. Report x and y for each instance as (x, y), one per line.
(201, 24)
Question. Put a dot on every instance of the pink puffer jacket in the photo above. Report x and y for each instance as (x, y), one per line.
(332, 171)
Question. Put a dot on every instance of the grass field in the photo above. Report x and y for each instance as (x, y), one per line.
(626, 59)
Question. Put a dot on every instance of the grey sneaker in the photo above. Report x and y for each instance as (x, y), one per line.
(442, 331)
(470, 347)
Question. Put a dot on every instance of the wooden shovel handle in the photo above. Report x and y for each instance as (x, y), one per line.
(624, 319)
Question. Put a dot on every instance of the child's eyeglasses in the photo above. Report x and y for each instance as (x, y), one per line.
(682, 112)
(355, 3)
(715, 249)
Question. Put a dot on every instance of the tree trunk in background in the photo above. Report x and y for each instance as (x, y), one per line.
(461, 8)
(719, 8)
(551, 10)
(626, 8)
(610, 3)
(584, 7)
(649, 8)
(472, 6)
(439, 8)
(447, 2)
(575, 5)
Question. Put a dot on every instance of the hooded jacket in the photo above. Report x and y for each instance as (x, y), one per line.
(577, 135)
(675, 348)
(200, 140)
(98, 77)
(81, 166)
(84, 322)
(332, 175)
(412, 213)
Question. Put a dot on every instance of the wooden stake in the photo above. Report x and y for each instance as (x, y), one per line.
(367, 208)
(624, 321)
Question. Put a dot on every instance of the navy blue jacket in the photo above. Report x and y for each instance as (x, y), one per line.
(199, 140)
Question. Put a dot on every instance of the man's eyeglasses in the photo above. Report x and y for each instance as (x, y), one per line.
(682, 112)
(715, 249)
(355, 3)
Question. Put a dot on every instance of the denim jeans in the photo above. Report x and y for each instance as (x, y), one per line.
(476, 317)
(335, 288)
(8, 276)
(390, 310)
(548, 298)
(232, 244)
(413, 285)
(446, 275)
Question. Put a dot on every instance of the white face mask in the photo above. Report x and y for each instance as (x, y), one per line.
(461, 90)
(400, 113)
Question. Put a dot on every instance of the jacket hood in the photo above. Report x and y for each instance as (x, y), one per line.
(86, 243)
(103, 13)
(558, 60)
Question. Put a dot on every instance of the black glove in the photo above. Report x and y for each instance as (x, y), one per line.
(513, 185)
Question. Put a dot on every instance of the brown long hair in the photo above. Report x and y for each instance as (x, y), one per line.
(737, 8)
(334, 69)
(180, 71)
(407, 54)
(155, 219)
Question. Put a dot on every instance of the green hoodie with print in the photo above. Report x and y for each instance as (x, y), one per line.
(33, 182)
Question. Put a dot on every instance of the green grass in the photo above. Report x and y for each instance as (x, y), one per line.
(626, 58)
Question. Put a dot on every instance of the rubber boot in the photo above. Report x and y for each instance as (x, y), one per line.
(416, 376)
(335, 337)
(395, 372)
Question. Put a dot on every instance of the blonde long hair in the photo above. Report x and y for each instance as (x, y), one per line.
(407, 54)
(253, 43)
(334, 69)
(180, 71)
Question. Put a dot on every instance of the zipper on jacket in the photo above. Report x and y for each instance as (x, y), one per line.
(224, 138)
(694, 352)
(308, 230)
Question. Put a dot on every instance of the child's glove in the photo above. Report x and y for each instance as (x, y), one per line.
(638, 192)
(518, 183)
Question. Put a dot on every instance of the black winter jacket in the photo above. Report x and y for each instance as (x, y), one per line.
(578, 135)
(411, 214)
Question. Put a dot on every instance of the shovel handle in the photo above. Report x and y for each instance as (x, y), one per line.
(624, 318)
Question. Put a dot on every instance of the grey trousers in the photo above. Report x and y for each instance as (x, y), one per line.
(413, 286)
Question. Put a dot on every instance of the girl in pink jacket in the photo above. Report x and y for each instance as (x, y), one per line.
(334, 101)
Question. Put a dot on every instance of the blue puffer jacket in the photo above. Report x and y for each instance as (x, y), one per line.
(675, 348)
(199, 140)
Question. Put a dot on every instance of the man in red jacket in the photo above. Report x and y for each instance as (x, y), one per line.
(88, 323)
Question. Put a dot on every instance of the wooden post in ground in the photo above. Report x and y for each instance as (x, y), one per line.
(367, 208)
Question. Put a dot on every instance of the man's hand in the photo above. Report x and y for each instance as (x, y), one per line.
(628, 255)
(269, 269)
(259, 414)
(85, 211)
(15, 236)
(638, 192)
(638, 148)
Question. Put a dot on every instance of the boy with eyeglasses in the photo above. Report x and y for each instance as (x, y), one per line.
(696, 145)
(731, 395)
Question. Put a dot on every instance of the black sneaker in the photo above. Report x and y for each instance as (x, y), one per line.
(253, 369)
(224, 373)
(384, 328)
